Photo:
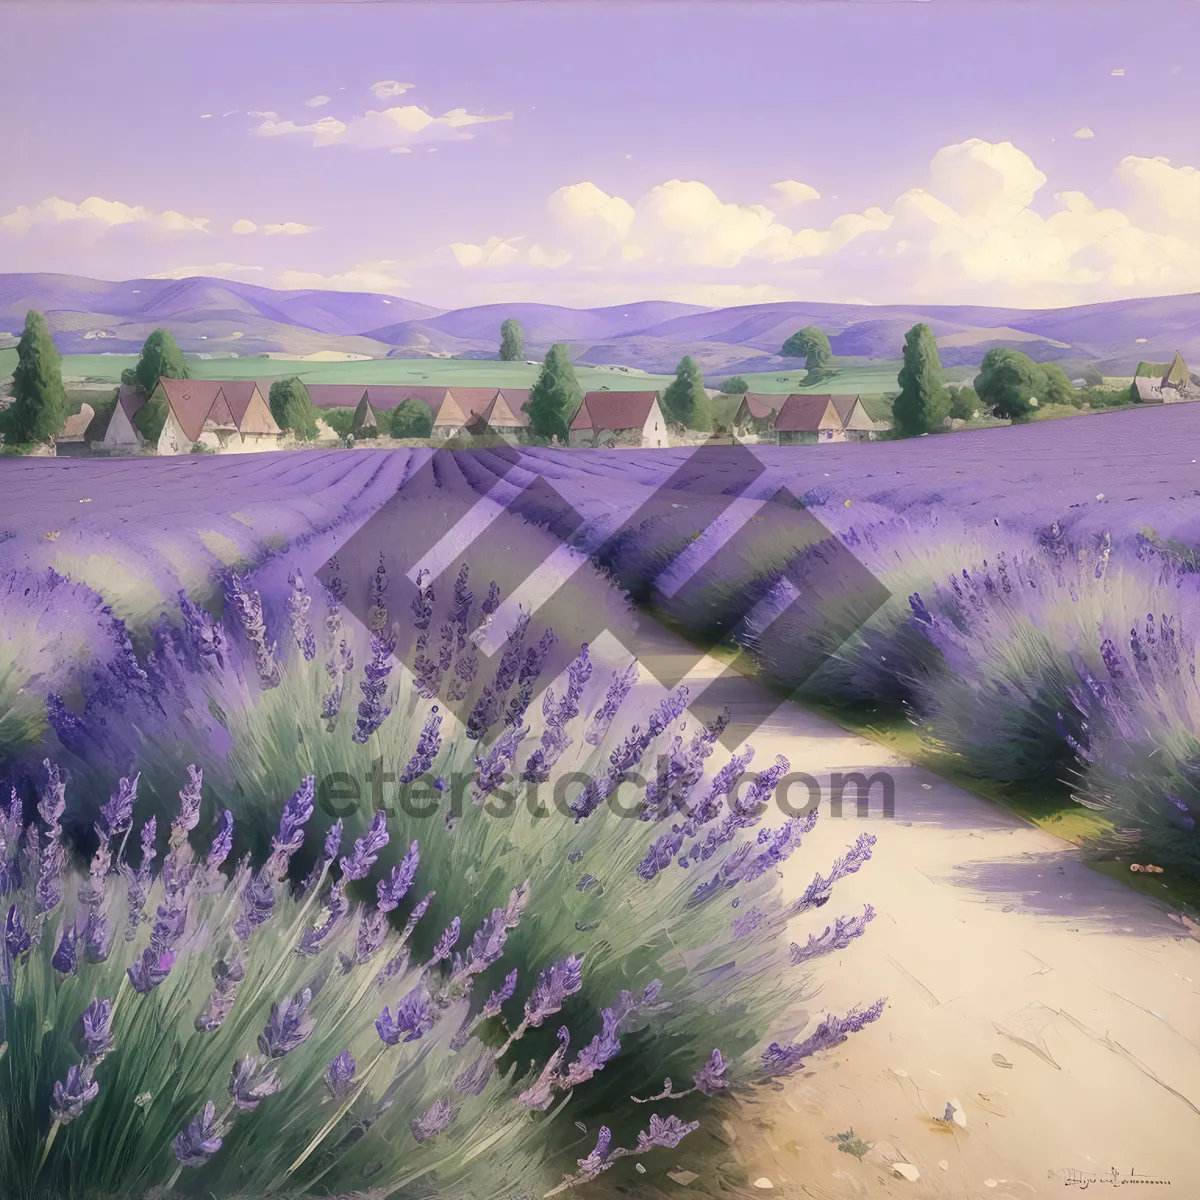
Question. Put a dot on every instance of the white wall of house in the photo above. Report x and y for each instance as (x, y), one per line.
(120, 431)
(172, 440)
(654, 432)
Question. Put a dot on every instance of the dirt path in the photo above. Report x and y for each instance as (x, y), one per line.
(1056, 1006)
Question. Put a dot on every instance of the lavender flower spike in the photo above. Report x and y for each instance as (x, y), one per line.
(833, 1031)
(117, 814)
(668, 1133)
(222, 842)
(366, 849)
(15, 937)
(372, 712)
(339, 1077)
(64, 957)
(288, 1026)
(252, 1082)
(711, 1077)
(554, 985)
(392, 890)
(433, 1122)
(73, 1096)
(200, 1140)
(96, 1024)
(428, 745)
(414, 1018)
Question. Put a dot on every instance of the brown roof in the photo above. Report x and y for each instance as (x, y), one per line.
(614, 410)
(191, 400)
(239, 393)
(807, 414)
(761, 405)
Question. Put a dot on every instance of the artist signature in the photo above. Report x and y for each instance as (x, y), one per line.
(1111, 1178)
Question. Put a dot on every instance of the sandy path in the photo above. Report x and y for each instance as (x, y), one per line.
(992, 939)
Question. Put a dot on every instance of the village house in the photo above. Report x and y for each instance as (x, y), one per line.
(1175, 385)
(808, 420)
(223, 416)
(619, 419)
(755, 416)
(856, 424)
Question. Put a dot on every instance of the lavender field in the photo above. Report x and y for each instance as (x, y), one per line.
(248, 630)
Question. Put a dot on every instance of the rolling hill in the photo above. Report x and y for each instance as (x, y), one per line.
(220, 318)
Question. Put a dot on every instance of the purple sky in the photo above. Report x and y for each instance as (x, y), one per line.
(678, 117)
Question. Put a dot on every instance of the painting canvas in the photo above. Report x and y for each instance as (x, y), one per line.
(599, 598)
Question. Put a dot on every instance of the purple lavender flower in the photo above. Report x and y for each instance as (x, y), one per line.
(564, 978)
(366, 849)
(428, 746)
(446, 942)
(11, 828)
(818, 892)
(138, 882)
(414, 1018)
(249, 606)
(96, 1027)
(295, 816)
(540, 1095)
(602, 719)
(73, 1096)
(200, 1140)
(711, 1077)
(258, 903)
(313, 940)
(288, 1026)
(298, 605)
(339, 1077)
(371, 934)
(833, 1031)
(148, 971)
(252, 1082)
(188, 816)
(474, 1079)
(68, 728)
(597, 1161)
(64, 956)
(490, 770)
(433, 1122)
(668, 1133)
(392, 889)
(372, 712)
(837, 936)
(15, 937)
(605, 1046)
(499, 997)
(226, 978)
(222, 842)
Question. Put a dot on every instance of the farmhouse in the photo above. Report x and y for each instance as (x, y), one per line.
(1176, 383)
(856, 424)
(756, 414)
(121, 433)
(225, 416)
(623, 419)
(807, 420)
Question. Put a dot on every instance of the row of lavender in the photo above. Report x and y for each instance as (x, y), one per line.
(273, 1013)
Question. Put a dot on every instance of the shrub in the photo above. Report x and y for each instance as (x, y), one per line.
(412, 419)
(735, 385)
(642, 902)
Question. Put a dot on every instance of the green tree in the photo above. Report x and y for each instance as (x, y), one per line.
(964, 403)
(811, 345)
(39, 405)
(293, 409)
(685, 401)
(923, 403)
(1009, 382)
(735, 385)
(1092, 376)
(129, 376)
(512, 341)
(160, 357)
(412, 419)
(1057, 387)
(555, 397)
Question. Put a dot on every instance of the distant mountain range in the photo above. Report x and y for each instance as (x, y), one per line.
(218, 317)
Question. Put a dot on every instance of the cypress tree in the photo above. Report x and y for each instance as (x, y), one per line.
(924, 402)
(512, 341)
(293, 409)
(685, 401)
(555, 397)
(39, 405)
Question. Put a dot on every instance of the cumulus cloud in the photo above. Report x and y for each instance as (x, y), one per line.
(100, 216)
(317, 101)
(1084, 131)
(495, 252)
(378, 275)
(244, 226)
(219, 270)
(289, 228)
(387, 129)
(792, 194)
(389, 87)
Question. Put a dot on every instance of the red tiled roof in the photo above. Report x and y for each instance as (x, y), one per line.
(191, 400)
(614, 410)
(239, 393)
(806, 414)
(843, 406)
(762, 404)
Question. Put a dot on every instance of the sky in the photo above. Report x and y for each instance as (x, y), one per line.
(1013, 152)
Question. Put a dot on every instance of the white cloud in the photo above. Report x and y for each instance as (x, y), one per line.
(378, 275)
(220, 270)
(1117, 71)
(390, 87)
(100, 215)
(1084, 131)
(792, 194)
(495, 252)
(545, 256)
(317, 101)
(290, 228)
(388, 129)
